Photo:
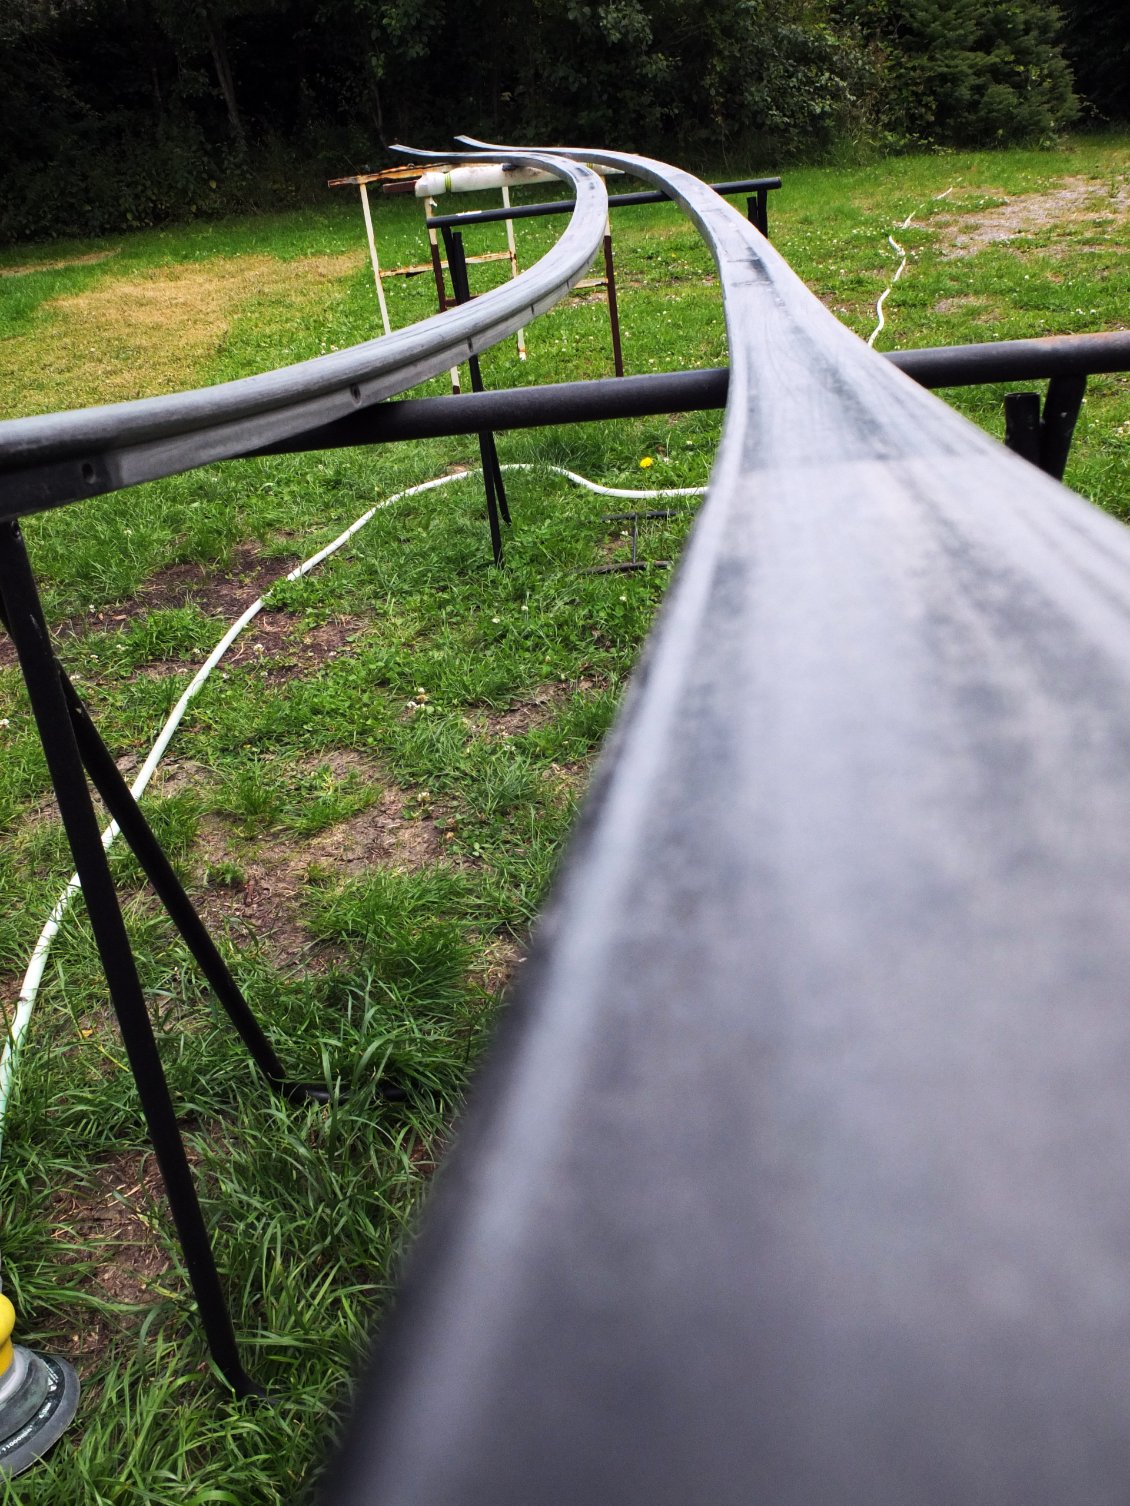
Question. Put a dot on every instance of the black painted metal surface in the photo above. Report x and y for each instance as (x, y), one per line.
(762, 187)
(62, 457)
(666, 391)
(798, 1173)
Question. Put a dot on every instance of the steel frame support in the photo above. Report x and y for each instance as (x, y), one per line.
(53, 712)
(488, 451)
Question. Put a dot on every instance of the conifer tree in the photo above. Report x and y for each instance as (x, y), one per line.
(969, 72)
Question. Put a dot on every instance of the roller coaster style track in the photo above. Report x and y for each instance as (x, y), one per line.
(797, 1172)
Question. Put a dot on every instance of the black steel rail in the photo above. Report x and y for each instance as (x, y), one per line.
(798, 1171)
(687, 391)
(758, 186)
(61, 457)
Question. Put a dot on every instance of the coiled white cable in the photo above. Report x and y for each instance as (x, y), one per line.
(33, 977)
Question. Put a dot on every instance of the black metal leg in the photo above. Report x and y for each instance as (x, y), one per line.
(488, 450)
(24, 615)
(613, 304)
(107, 780)
(1061, 410)
(170, 891)
(1022, 424)
(757, 211)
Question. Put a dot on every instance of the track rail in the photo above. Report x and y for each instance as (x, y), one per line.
(62, 457)
(798, 1172)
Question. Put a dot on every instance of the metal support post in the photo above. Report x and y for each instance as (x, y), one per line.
(613, 307)
(488, 452)
(24, 614)
(437, 273)
(757, 210)
(1022, 424)
(124, 809)
(1057, 425)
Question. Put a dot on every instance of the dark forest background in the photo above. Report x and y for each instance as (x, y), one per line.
(118, 113)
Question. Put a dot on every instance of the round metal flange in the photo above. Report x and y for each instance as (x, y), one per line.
(36, 1410)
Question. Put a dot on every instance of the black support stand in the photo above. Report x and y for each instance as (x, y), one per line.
(488, 451)
(74, 749)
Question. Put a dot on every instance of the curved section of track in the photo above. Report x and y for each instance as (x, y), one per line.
(60, 457)
(798, 1174)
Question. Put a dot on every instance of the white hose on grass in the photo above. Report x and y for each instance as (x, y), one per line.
(33, 977)
(899, 251)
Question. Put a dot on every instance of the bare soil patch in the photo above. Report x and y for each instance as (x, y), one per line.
(110, 1222)
(534, 711)
(218, 591)
(288, 648)
(1072, 201)
(223, 592)
(267, 908)
(150, 332)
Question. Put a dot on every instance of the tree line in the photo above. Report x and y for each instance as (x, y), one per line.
(115, 113)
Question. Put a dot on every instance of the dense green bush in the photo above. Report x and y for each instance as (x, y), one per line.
(968, 72)
(118, 113)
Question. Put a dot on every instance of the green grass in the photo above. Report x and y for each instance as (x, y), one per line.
(369, 798)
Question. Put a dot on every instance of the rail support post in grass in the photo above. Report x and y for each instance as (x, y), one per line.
(1044, 438)
(488, 451)
(23, 613)
(1057, 423)
(1022, 424)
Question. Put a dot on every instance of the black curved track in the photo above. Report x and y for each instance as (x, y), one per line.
(799, 1171)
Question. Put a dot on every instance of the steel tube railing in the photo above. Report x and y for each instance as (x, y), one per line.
(689, 391)
(562, 206)
(47, 461)
(61, 457)
(796, 1171)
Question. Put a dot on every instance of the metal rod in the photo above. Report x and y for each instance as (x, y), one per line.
(615, 201)
(757, 210)
(1022, 424)
(1061, 410)
(691, 391)
(24, 613)
(437, 262)
(613, 307)
(488, 451)
(124, 809)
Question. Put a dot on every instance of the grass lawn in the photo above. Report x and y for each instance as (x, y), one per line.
(368, 798)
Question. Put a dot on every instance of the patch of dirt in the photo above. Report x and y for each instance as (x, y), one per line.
(534, 711)
(268, 907)
(500, 962)
(288, 648)
(89, 259)
(222, 593)
(216, 592)
(1071, 201)
(960, 304)
(109, 1222)
(151, 332)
